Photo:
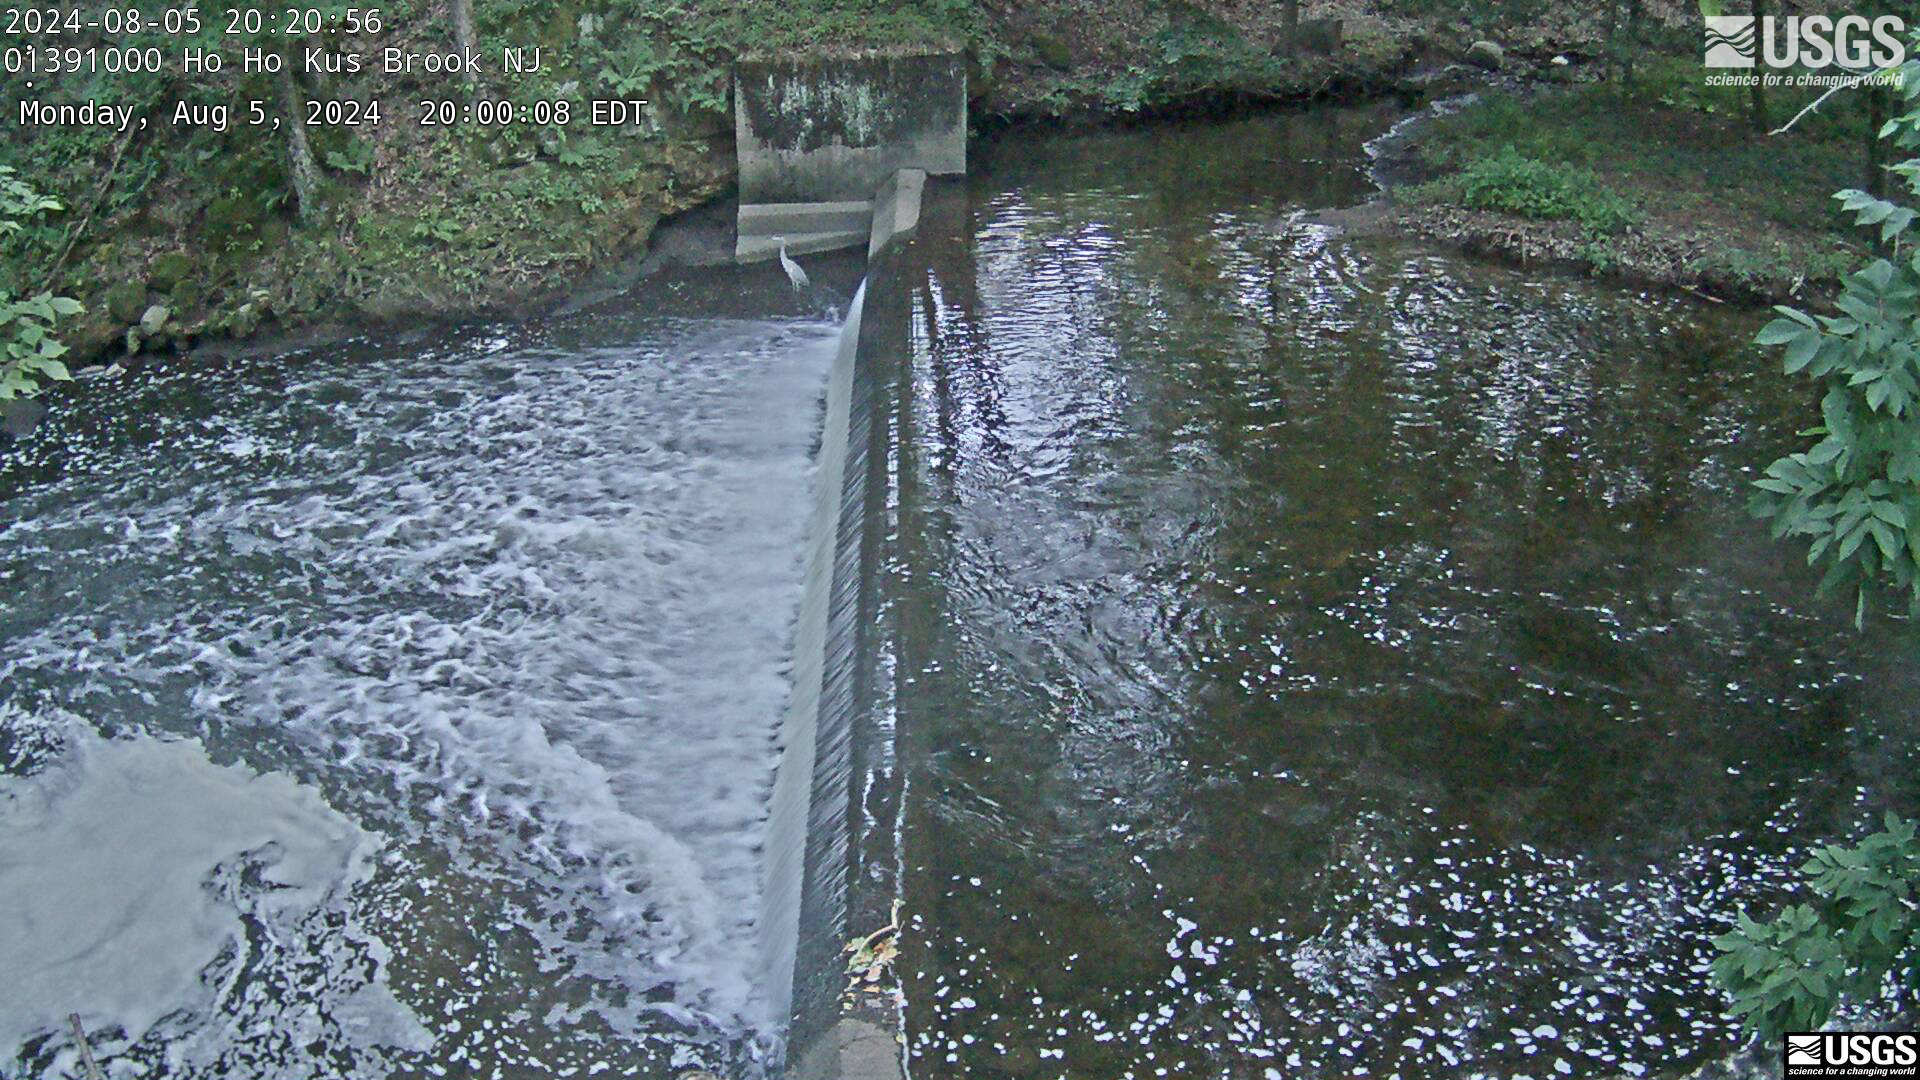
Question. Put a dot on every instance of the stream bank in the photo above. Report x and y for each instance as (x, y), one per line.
(190, 238)
(1660, 182)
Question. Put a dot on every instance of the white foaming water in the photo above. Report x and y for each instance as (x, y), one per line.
(530, 609)
(104, 861)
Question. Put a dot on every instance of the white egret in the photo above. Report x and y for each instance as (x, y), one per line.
(794, 273)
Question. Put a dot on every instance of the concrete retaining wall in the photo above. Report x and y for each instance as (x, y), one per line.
(833, 129)
(817, 137)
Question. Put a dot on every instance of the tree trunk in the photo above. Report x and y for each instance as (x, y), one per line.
(1633, 41)
(306, 175)
(463, 30)
(1757, 94)
(1613, 40)
(1876, 150)
(1290, 23)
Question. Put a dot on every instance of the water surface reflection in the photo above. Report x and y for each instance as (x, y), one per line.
(1330, 657)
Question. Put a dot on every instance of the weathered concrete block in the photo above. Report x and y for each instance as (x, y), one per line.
(896, 209)
(851, 1050)
(832, 129)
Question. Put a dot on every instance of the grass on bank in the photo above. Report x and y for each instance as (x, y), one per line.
(1665, 171)
(1510, 182)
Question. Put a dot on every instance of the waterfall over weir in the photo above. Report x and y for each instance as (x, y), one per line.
(833, 152)
(810, 856)
(806, 838)
(517, 608)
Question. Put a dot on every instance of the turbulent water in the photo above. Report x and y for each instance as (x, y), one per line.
(509, 616)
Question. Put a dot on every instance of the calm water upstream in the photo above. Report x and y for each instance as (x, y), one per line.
(1322, 657)
(1304, 656)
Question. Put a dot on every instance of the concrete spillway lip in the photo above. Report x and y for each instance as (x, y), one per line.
(850, 1050)
(805, 797)
(804, 227)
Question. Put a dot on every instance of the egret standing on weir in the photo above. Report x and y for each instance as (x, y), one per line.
(794, 273)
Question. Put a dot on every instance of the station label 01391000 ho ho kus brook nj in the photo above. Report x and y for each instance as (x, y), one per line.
(42, 43)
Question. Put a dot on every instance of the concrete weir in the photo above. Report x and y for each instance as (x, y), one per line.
(836, 153)
(809, 840)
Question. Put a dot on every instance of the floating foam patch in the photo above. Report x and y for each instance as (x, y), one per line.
(128, 867)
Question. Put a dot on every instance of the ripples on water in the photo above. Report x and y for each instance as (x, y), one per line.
(520, 607)
(1322, 657)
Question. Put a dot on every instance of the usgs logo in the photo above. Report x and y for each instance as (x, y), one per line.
(1852, 1053)
(1812, 41)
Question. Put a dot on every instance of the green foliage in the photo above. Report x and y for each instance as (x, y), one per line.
(19, 203)
(1199, 51)
(631, 68)
(1854, 495)
(1188, 53)
(29, 350)
(1600, 254)
(1862, 927)
(1759, 268)
(354, 156)
(1512, 183)
(436, 228)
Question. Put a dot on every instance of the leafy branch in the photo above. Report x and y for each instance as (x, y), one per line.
(1788, 974)
(28, 348)
(1854, 495)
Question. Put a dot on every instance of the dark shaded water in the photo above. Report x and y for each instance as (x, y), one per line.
(1332, 657)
